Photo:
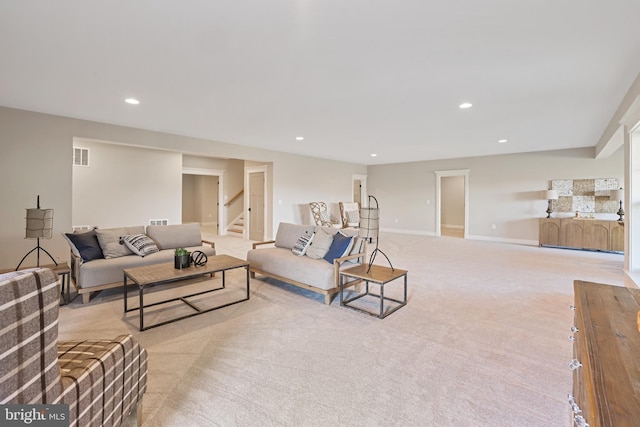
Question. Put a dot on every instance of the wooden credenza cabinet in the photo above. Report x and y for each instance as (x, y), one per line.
(580, 233)
(606, 364)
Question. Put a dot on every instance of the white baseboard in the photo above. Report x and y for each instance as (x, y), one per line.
(401, 231)
(504, 240)
(457, 227)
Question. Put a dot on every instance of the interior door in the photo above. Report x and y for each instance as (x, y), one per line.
(256, 206)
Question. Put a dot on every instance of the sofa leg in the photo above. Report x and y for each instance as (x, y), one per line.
(328, 298)
(253, 274)
(86, 297)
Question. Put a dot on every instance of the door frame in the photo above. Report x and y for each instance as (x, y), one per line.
(220, 174)
(448, 173)
(363, 190)
(247, 222)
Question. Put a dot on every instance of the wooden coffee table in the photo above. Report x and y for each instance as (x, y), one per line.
(379, 275)
(166, 273)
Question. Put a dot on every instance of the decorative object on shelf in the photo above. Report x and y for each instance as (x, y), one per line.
(550, 195)
(369, 227)
(589, 196)
(182, 258)
(619, 196)
(199, 258)
(39, 226)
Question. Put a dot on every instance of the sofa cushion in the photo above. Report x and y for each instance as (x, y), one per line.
(320, 244)
(140, 244)
(282, 262)
(85, 245)
(340, 247)
(110, 241)
(301, 246)
(175, 235)
(288, 234)
(103, 271)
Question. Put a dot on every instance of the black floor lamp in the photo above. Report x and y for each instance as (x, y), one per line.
(39, 226)
(369, 228)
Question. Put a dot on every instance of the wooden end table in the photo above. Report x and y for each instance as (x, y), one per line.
(379, 275)
(157, 274)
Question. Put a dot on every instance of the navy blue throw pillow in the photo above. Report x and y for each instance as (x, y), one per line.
(340, 245)
(87, 245)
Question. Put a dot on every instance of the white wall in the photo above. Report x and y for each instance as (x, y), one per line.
(37, 160)
(126, 186)
(503, 190)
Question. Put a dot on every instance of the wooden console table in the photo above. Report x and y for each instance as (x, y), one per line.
(582, 233)
(606, 364)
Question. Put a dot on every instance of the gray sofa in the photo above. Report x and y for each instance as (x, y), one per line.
(105, 270)
(276, 259)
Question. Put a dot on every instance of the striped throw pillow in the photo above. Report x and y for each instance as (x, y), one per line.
(303, 242)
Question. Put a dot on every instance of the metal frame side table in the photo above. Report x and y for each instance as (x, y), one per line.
(63, 270)
(379, 275)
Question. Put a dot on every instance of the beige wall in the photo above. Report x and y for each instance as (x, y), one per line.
(503, 190)
(37, 160)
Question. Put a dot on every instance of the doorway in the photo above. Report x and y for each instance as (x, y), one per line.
(452, 203)
(201, 199)
(256, 182)
(359, 189)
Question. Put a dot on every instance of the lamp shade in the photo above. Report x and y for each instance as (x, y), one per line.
(39, 224)
(616, 195)
(369, 223)
(551, 195)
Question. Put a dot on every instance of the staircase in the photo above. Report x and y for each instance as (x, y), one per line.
(236, 228)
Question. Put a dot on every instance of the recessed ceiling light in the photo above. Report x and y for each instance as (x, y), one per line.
(466, 105)
(374, 155)
(299, 138)
(502, 141)
(132, 101)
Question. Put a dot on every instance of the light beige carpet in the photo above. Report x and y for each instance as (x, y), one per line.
(482, 342)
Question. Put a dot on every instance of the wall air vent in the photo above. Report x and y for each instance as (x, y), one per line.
(79, 228)
(80, 156)
(158, 222)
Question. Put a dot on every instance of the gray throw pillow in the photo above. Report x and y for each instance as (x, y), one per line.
(110, 242)
(320, 244)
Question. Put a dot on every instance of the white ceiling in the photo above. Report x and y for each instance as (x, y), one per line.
(354, 77)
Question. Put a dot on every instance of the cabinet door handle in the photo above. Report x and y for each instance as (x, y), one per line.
(574, 364)
(580, 421)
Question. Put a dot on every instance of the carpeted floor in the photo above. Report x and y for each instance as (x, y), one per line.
(482, 342)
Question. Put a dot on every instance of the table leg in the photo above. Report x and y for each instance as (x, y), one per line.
(141, 307)
(125, 292)
(381, 300)
(248, 280)
(341, 289)
(68, 276)
(223, 279)
(405, 288)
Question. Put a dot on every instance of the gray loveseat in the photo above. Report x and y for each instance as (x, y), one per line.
(276, 259)
(98, 268)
